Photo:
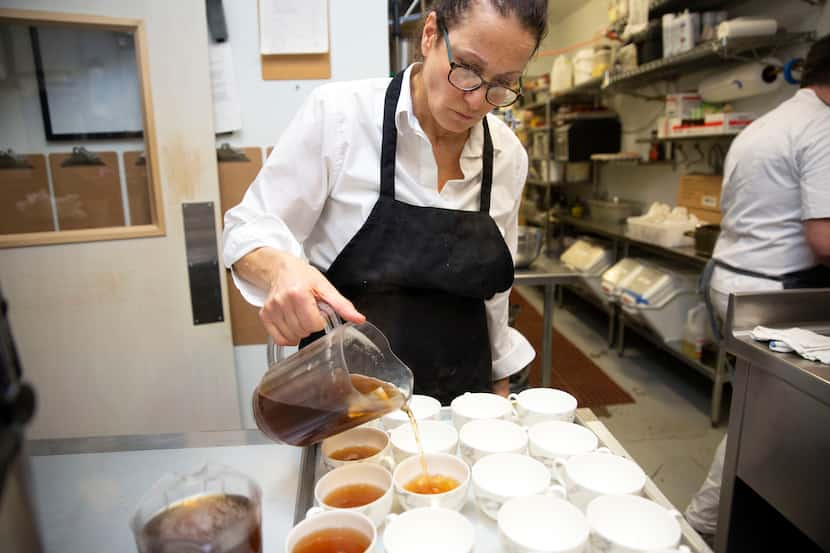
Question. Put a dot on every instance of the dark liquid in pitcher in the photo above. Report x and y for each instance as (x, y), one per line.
(230, 523)
(302, 415)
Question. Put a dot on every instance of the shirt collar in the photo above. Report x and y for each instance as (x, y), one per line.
(405, 118)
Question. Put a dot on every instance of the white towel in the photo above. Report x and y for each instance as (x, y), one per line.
(806, 343)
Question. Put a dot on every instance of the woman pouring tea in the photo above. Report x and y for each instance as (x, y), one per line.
(398, 201)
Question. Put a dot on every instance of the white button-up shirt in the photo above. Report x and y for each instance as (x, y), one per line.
(321, 181)
(776, 175)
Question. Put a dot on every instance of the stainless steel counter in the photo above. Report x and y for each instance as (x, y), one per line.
(775, 494)
(548, 272)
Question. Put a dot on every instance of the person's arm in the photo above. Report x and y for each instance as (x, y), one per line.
(814, 168)
(817, 232)
(510, 351)
(263, 234)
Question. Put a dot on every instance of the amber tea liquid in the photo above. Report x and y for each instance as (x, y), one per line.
(333, 540)
(302, 412)
(220, 523)
(417, 432)
(354, 453)
(353, 495)
(431, 484)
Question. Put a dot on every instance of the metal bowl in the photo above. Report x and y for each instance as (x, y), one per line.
(530, 244)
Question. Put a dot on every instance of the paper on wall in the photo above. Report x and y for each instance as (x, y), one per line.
(293, 26)
(227, 112)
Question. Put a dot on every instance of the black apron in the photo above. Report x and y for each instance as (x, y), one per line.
(421, 275)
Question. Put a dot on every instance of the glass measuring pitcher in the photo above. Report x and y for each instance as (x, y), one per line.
(214, 510)
(343, 379)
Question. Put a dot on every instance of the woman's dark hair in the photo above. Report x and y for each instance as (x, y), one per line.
(816, 70)
(532, 14)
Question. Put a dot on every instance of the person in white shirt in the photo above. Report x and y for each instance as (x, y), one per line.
(398, 202)
(775, 232)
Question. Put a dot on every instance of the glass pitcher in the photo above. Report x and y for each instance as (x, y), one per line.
(214, 510)
(343, 379)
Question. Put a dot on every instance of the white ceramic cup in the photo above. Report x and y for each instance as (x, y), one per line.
(542, 524)
(479, 438)
(535, 405)
(598, 473)
(360, 473)
(331, 519)
(423, 408)
(360, 436)
(552, 440)
(474, 406)
(442, 464)
(428, 529)
(436, 437)
(502, 476)
(631, 524)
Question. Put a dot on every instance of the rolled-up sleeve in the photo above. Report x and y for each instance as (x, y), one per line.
(284, 202)
(510, 350)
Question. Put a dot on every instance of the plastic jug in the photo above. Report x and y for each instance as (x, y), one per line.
(561, 75)
(694, 332)
(343, 379)
(214, 510)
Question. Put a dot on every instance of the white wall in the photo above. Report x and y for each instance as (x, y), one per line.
(659, 183)
(359, 49)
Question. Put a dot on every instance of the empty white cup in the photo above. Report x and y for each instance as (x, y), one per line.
(631, 524)
(479, 438)
(436, 437)
(442, 464)
(536, 405)
(422, 407)
(474, 406)
(428, 529)
(542, 524)
(502, 476)
(361, 473)
(331, 519)
(360, 436)
(598, 473)
(552, 440)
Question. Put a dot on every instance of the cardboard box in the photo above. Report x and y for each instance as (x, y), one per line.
(700, 194)
(683, 105)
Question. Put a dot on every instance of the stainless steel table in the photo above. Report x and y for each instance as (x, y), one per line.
(548, 272)
(774, 495)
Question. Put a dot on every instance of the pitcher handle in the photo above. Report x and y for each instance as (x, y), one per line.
(276, 352)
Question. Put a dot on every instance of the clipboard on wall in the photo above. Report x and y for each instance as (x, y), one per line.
(25, 200)
(87, 189)
(238, 167)
(138, 188)
(288, 24)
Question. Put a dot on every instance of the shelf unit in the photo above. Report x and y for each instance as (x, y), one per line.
(701, 57)
(657, 8)
(622, 246)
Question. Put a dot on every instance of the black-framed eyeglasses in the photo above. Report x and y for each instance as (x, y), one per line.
(468, 79)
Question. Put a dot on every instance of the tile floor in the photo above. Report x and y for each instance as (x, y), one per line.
(667, 429)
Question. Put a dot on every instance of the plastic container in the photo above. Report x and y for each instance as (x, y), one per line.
(590, 260)
(694, 332)
(602, 61)
(669, 234)
(583, 65)
(612, 211)
(660, 297)
(615, 279)
(561, 75)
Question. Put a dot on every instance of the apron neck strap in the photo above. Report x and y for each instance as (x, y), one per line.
(389, 144)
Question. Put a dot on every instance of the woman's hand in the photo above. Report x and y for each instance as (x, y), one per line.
(290, 311)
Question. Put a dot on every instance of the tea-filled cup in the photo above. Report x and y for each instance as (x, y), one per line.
(358, 445)
(350, 530)
(365, 488)
(449, 474)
